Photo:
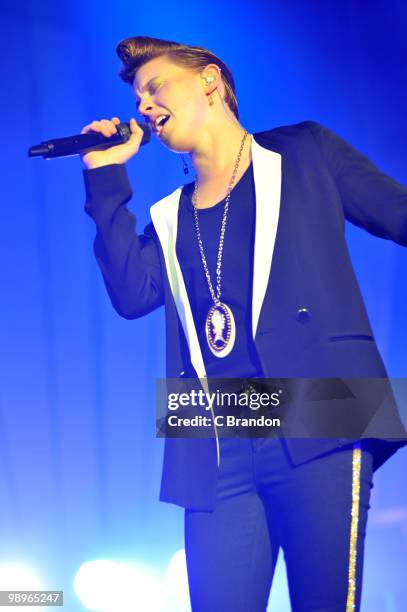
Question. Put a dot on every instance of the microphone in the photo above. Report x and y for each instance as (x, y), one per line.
(93, 141)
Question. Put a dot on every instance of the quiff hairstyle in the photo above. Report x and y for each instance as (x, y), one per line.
(136, 51)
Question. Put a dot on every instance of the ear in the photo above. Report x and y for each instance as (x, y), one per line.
(212, 79)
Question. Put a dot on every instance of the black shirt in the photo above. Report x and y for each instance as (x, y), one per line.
(236, 272)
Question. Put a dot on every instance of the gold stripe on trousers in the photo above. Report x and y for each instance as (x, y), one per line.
(356, 464)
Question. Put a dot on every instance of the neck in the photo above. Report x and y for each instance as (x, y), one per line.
(217, 152)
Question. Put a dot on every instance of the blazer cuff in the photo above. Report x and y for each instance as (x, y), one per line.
(107, 181)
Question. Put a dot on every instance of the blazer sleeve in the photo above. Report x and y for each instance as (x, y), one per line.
(129, 262)
(370, 198)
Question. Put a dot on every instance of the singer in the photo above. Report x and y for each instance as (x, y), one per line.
(251, 264)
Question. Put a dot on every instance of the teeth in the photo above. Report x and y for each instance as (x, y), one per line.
(159, 120)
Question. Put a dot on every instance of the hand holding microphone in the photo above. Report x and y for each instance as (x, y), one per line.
(100, 143)
(118, 154)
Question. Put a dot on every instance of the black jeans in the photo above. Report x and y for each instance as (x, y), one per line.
(264, 503)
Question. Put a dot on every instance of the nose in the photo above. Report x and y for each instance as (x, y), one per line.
(144, 107)
(145, 113)
(143, 110)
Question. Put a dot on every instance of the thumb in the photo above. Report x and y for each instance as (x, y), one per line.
(137, 133)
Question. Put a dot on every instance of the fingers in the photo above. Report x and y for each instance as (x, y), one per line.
(116, 154)
(108, 127)
(104, 126)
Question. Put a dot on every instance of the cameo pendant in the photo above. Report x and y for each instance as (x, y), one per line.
(220, 329)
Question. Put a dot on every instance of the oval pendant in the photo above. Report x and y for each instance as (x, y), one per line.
(220, 329)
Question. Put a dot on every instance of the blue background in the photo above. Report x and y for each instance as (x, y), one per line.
(79, 462)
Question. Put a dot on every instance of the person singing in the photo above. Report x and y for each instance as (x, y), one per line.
(251, 264)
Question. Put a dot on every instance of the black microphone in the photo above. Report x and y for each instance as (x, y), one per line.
(74, 145)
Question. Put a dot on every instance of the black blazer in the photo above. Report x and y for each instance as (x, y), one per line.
(309, 319)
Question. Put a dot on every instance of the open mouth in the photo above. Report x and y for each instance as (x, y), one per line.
(160, 122)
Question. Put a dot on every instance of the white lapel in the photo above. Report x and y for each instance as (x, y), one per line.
(267, 183)
(164, 214)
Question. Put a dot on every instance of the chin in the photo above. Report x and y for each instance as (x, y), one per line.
(178, 143)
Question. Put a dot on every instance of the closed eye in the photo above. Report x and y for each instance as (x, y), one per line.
(151, 90)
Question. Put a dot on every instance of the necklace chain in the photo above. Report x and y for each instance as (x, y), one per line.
(216, 298)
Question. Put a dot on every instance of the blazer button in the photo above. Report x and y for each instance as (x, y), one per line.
(181, 373)
(303, 315)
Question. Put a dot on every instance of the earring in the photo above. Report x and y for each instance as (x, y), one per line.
(208, 81)
(185, 166)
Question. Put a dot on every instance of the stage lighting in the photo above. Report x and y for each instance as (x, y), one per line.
(177, 582)
(108, 586)
(19, 577)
